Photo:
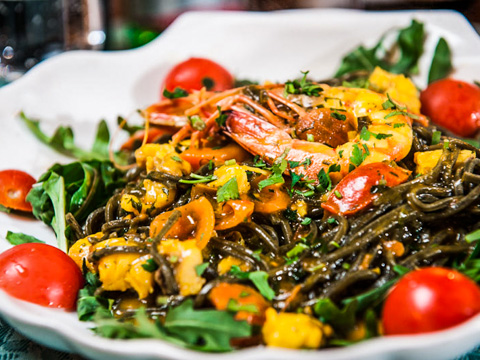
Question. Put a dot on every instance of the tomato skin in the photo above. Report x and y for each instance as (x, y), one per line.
(430, 299)
(14, 188)
(41, 274)
(355, 189)
(191, 74)
(453, 105)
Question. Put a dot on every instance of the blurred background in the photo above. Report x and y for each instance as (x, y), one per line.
(33, 30)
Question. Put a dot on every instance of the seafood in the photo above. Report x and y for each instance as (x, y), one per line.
(333, 125)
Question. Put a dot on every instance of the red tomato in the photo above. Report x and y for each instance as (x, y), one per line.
(453, 105)
(195, 73)
(430, 299)
(41, 274)
(354, 192)
(14, 187)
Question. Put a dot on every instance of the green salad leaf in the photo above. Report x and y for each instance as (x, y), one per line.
(77, 188)
(205, 330)
(441, 62)
(20, 238)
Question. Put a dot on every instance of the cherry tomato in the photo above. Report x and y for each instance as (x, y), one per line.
(196, 73)
(453, 105)
(41, 274)
(430, 299)
(356, 190)
(14, 188)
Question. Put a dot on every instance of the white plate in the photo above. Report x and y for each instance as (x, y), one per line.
(80, 88)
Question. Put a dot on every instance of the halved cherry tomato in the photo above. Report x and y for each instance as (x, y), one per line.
(197, 221)
(356, 190)
(41, 274)
(234, 212)
(453, 105)
(251, 304)
(430, 299)
(14, 188)
(196, 73)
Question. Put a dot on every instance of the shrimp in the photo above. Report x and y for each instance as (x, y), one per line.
(342, 126)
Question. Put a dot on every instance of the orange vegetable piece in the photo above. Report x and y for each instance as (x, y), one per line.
(201, 156)
(272, 199)
(242, 295)
(196, 221)
(354, 192)
(233, 213)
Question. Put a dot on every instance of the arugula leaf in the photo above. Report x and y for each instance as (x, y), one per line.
(409, 43)
(441, 62)
(175, 94)
(258, 278)
(78, 188)
(342, 320)
(229, 191)
(88, 303)
(207, 330)
(20, 238)
(63, 140)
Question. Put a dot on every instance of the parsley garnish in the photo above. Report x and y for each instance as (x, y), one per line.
(365, 135)
(175, 94)
(325, 182)
(229, 191)
(258, 278)
(200, 269)
(234, 306)
(436, 136)
(473, 236)
(150, 265)
(222, 117)
(298, 249)
(358, 156)
(176, 158)
(338, 116)
(302, 87)
(398, 125)
(278, 169)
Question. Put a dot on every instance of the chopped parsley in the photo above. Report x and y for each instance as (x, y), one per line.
(358, 156)
(436, 136)
(302, 86)
(222, 117)
(229, 191)
(338, 116)
(278, 169)
(175, 94)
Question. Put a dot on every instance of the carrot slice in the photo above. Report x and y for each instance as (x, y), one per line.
(233, 213)
(251, 304)
(197, 221)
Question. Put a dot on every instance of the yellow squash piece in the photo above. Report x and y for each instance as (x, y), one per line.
(185, 255)
(294, 331)
(399, 87)
(120, 272)
(226, 172)
(427, 160)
